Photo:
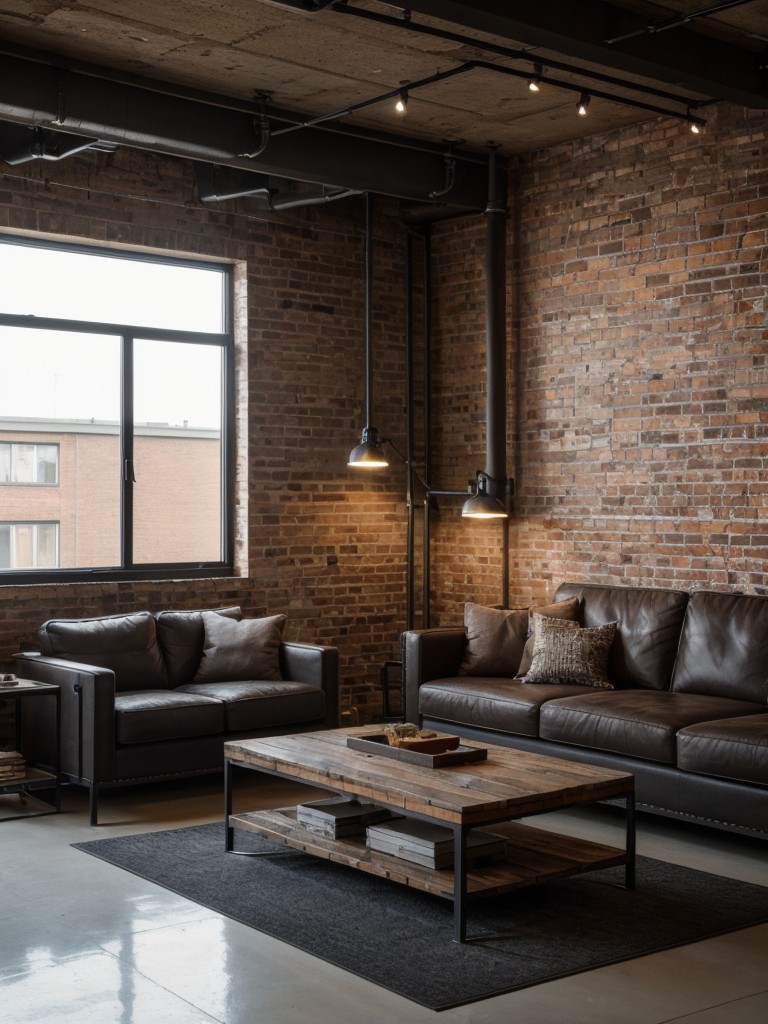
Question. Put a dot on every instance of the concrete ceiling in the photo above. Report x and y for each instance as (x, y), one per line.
(235, 84)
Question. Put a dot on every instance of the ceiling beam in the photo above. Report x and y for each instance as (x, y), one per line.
(682, 57)
(220, 130)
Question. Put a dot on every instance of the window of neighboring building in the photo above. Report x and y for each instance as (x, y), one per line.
(117, 387)
(29, 545)
(29, 463)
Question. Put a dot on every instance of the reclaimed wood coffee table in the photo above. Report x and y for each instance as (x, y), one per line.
(509, 784)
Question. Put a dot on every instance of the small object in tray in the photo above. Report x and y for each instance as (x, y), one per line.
(410, 737)
(8, 679)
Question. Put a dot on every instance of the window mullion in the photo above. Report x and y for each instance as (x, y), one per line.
(127, 446)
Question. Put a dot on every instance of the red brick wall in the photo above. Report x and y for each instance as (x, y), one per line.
(638, 388)
(313, 541)
(638, 405)
(644, 387)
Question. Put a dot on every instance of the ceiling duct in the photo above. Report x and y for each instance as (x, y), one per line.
(217, 130)
(47, 145)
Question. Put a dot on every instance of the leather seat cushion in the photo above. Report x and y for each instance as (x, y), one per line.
(489, 702)
(146, 716)
(261, 704)
(638, 723)
(729, 748)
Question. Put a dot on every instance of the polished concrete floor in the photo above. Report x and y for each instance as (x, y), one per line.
(82, 942)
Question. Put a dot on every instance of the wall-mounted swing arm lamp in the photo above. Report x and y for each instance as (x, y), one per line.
(482, 504)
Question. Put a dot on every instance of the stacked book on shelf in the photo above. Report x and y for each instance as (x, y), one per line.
(421, 842)
(337, 817)
(13, 767)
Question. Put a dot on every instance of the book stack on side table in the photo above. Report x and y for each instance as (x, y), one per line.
(339, 816)
(13, 767)
(421, 842)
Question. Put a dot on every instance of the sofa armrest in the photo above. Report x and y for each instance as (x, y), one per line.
(87, 715)
(316, 665)
(429, 654)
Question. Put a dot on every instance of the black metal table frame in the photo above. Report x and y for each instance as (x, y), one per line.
(460, 897)
(27, 787)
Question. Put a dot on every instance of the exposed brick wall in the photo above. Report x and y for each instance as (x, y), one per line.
(638, 406)
(638, 387)
(312, 540)
(643, 439)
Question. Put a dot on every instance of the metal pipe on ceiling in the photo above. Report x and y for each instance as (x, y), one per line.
(33, 92)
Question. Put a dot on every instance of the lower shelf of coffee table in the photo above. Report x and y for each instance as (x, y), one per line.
(534, 855)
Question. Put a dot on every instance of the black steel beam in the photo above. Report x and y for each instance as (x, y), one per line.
(221, 131)
(682, 57)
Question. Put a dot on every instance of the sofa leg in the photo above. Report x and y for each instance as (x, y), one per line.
(93, 796)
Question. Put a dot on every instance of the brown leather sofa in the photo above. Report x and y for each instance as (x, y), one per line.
(150, 697)
(688, 714)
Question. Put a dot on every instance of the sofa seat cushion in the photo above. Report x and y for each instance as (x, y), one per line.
(731, 748)
(637, 723)
(262, 704)
(146, 716)
(505, 705)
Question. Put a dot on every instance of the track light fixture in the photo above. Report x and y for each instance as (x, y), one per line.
(534, 83)
(696, 123)
(583, 104)
(401, 105)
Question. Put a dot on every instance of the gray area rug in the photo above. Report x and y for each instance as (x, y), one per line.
(401, 939)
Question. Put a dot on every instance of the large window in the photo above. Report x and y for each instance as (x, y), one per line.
(115, 393)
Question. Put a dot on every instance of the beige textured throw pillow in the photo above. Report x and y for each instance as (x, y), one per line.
(495, 640)
(571, 657)
(248, 649)
(559, 610)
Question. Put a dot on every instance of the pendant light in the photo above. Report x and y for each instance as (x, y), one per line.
(369, 454)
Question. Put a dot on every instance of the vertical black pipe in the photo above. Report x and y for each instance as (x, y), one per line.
(409, 429)
(368, 311)
(427, 357)
(495, 333)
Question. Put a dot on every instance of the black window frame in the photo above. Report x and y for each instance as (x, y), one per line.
(127, 334)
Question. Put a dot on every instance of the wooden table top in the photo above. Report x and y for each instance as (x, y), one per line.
(509, 784)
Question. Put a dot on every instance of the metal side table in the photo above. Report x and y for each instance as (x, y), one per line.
(36, 778)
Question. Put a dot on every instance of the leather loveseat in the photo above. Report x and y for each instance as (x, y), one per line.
(149, 697)
(687, 713)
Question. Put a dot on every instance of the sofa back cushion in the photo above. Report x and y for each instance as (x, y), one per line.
(495, 640)
(181, 635)
(238, 651)
(126, 644)
(724, 647)
(649, 623)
